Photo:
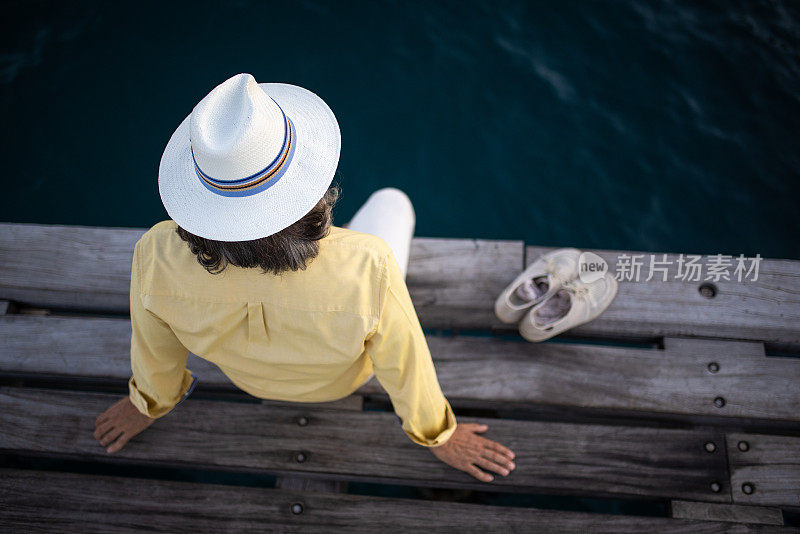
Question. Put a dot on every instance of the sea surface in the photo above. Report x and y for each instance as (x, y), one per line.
(633, 124)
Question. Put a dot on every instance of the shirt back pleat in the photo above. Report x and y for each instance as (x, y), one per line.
(257, 330)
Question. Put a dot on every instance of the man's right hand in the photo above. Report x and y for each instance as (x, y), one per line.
(465, 450)
(118, 424)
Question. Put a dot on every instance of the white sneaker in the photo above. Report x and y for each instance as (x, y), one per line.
(536, 283)
(575, 303)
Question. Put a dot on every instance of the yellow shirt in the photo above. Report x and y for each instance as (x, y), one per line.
(311, 335)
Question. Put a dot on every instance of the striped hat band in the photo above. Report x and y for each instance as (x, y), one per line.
(263, 179)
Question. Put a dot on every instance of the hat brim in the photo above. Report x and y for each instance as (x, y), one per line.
(222, 218)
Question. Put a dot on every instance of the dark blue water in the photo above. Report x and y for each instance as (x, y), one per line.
(657, 126)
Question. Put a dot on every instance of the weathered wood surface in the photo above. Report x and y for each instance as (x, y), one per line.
(453, 282)
(764, 469)
(351, 402)
(371, 446)
(295, 483)
(82, 267)
(676, 380)
(67, 502)
(765, 310)
(79, 347)
(726, 512)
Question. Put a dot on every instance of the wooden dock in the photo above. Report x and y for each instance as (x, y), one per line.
(684, 400)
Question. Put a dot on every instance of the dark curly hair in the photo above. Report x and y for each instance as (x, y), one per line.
(290, 249)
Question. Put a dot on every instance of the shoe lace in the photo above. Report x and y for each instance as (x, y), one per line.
(551, 268)
(556, 271)
(579, 290)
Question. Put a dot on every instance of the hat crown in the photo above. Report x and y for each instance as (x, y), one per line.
(236, 130)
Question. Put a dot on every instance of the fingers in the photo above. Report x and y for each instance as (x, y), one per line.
(106, 415)
(117, 445)
(109, 413)
(492, 456)
(111, 436)
(480, 475)
(499, 448)
(481, 428)
(499, 459)
(491, 466)
(101, 430)
(117, 425)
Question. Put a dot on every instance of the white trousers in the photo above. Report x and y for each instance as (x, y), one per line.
(388, 214)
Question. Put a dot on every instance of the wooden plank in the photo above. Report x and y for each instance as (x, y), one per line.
(79, 347)
(352, 402)
(675, 381)
(765, 310)
(453, 282)
(371, 446)
(92, 271)
(69, 502)
(727, 512)
(764, 469)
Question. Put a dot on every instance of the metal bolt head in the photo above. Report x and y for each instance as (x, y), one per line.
(708, 290)
(719, 402)
(710, 446)
(300, 457)
(713, 367)
(743, 446)
(302, 420)
(297, 508)
(748, 488)
(715, 487)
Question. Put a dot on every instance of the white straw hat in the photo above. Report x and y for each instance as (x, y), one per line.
(250, 160)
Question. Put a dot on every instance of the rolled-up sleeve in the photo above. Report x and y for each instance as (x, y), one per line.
(158, 359)
(402, 363)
